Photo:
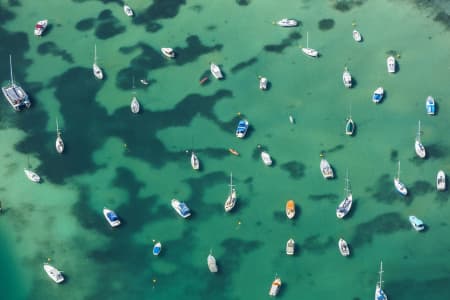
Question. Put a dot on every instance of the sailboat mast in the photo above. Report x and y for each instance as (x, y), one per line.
(381, 272)
(95, 53)
(231, 183)
(10, 69)
(398, 171)
(307, 39)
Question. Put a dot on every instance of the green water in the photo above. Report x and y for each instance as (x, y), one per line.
(135, 164)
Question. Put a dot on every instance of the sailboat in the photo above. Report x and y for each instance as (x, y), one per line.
(346, 204)
(379, 293)
(98, 73)
(420, 149)
(195, 163)
(14, 93)
(212, 265)
(135, 106)
(231, 200)
(399, 186)
(349, 125)
(309, 51)
(59, 144)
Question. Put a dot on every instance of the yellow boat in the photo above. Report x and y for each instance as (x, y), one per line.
(290, 209)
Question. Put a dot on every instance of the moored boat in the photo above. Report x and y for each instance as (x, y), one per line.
(168, 52)
(32, 175)
(418, 146)
(40, 27)
(144, 81)
(290, 209)
(14, 93)
(309, 51)
(325, 168)
(157, 249)
(290, 247)
(379, 293)
(111, 217)
(430, 106)
(267, 160)
(127, 10)
(441, 181)
(390, 61)
(98, 73)
(275, 287)
(349, 126)
(263, 83)
(399, 186)
(347, 78)
(346, 204)
(59, 143)
(53, 273)
(215, 71)
(343, 247)
(195, 162)
(287, 22)
(231, 200)
(357, 35)
(291, 119)
(242, 128)
(378, 95)
(212, 264)
(416, 223)
(134, 105)
(181, 208)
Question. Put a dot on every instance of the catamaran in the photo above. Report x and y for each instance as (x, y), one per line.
(98, 73)
(399, 186)
(418, 146)
(14, 93)
(309, 51)
(379, 293)
(346, 204)
(59, 143)
(231, 200)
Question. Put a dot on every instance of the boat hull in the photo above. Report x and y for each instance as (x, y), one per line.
(111, 217)
(441, 183)
(157, 249)
(343, 247)
(290, 209)
(181, 208)
(290, 247)
(53, 273)
(325, 168)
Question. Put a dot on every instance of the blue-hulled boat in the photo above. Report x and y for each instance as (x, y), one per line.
(416, 223)
(241, 129)
(378, 95)
(181, 208)
(430, 105)
(157, 249)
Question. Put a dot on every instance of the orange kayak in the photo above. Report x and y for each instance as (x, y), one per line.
(234, 152)
(290, 209)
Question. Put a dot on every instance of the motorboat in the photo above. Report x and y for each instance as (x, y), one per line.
(326, 169)
(357, 36)
(263, 83)
(14, 93)
(215, 71)
(144, 81)
(441, 181)
(32, 175)
(267, 160)
(430, 106)
(347, 78)
(290, 247)
(309, 51)
(233, 151)
(157, 248)
(291, 119)
(390, 64)
(40, 27)
(181, 208)
(111, 217)
(378, 95)
(242, 128)
(418, 146)
(349, 126)
(134, 105)
(53, 273)
(98, 73)
(379, 293)
(399, 186)
(290, 209)
(346, 204)
(59, 143)
(212, 265)
(275, 287)
(416, 223)
(343, 247)
(128, 11)
(168, 52)
(287, 22)
(195, 163)
(231, 200)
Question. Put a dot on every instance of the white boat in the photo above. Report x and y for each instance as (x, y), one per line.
(231, 200)
(309, 51)
(275, 287)
(347, 78)
(215, 71)
(290, 209)
(441, 181)
(98, 73)
(418, 146)
(241, 129)
(390, 64)
(32, 175)
(59, 143)
(168, 52)
(263, 83)
(157, 249)
(195, 163)
(135, 106)
(111, 217)
(14, 93)
(53, 273)
(399, 186)
(378, 95)
(212, 265)
(40, 27)
(287, 23)
(128, 11)
(267, 160)
(290, 247)
(357, 36)
(379, 293)
(144, 82)
(349, 126)
(325, 168)
(291, 119)
(416, 223)
(343, 247)
(181, 208)
(346, 204)
(430, 106)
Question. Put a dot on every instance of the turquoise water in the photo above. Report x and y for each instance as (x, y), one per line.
(135, 164)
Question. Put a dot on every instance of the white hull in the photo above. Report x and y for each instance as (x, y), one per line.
(40, 27)
(168, 52)
(378, 94)
(59, 144)
(178, 206)
(344, 207)
(32, 176)
(195, 163)
(157, 249)
(390, 64)
(343, 247)
(275, 288)
(212, 265)
(325, 168)
(420, 149)
(135, 106)
(127, 10)
(400, 187)
(263, 83)
(287, 23)
(310, 52)
(347, 78)
(215, 71)
(267, 160)
(98, 73)
(357, 36)
(107, 213)
(53, 273)
(231, 201)
(290, 247)
(440, 181)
